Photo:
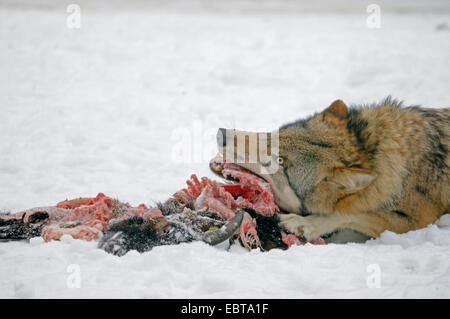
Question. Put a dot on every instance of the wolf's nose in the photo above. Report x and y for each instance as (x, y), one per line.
(221, 137)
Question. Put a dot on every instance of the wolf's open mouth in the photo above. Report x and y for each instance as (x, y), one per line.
(253, 191)
(246, 191)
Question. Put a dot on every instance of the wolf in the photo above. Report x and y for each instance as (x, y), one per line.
(368, 168)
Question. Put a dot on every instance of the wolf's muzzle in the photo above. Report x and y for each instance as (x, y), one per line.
(221, 137)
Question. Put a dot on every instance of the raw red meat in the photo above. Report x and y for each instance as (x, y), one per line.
(251, 191)
(85, 218)
(89, 218)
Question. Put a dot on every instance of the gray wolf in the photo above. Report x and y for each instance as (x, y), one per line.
(366, 168)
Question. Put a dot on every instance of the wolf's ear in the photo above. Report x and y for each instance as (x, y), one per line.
(336, 113)
(352, 180)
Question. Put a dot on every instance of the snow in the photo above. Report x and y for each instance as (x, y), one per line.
(409, 267)
(129, 105)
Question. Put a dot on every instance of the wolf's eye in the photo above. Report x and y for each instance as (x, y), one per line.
(280, 160)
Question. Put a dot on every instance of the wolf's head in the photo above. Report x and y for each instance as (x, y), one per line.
(319, 160)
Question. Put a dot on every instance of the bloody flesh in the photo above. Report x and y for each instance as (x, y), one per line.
(84, 218)
(250, 191)
(89, 218)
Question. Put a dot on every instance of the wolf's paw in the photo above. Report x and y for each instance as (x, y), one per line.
(301, 226)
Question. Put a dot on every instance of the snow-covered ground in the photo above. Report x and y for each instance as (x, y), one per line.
(129, 104)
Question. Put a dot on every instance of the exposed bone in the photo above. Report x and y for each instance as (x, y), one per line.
(220, 235)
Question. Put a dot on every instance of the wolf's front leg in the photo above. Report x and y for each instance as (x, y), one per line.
(311, 227)
(370, 224)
